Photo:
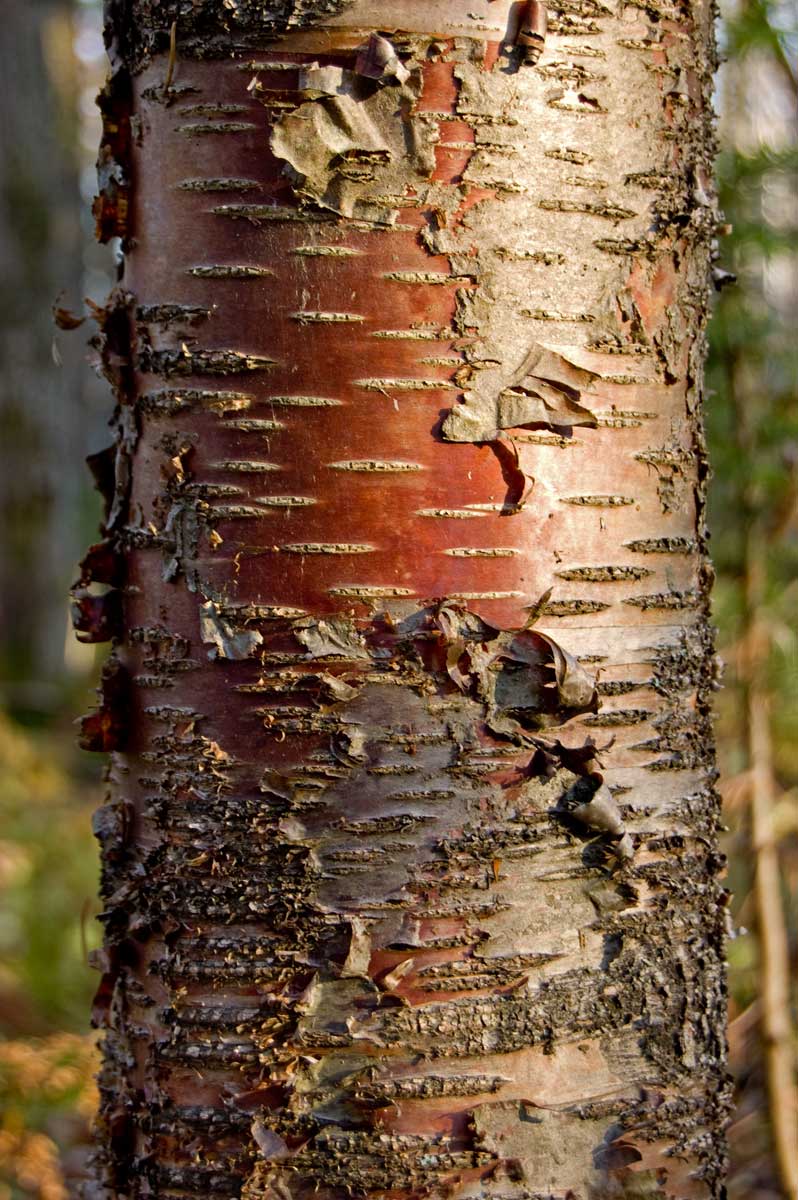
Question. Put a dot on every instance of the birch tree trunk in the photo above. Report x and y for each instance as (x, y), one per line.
(410, 851)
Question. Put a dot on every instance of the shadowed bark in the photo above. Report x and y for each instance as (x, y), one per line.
(410, 859)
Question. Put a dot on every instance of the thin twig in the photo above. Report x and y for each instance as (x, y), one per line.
(773, 943)
(170, 66)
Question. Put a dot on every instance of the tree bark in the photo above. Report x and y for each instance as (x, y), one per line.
(410, 857)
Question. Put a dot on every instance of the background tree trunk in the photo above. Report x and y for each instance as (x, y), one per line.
(410, 859)
(42, 410)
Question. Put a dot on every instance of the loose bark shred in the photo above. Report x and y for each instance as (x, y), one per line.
(532, 32)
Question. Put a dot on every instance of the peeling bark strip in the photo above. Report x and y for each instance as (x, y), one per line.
(409, 855)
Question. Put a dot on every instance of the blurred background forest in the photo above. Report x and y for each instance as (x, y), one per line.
(53, 412)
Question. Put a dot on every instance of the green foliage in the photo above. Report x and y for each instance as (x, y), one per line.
(48, 881)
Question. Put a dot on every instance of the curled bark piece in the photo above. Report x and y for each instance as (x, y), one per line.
(532, 33)
(65, 319)
(545, 390)
(510, 671)
(270, 1144)
(110, 207)
(359, 954)
(538, 608)
(575, 688)
(601, 812)
(96, 618)
(332, 688)
(322, 81)
(624, 849)
(353, 145)
(378, 59)
(582, 760)
(111, 824)
(334, 637)
(106, 728)
(349, 746)
(393, 978)
(278, 785)
(102, 563)
(228, 642)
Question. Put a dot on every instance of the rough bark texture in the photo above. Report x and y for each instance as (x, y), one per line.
(410, 858)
